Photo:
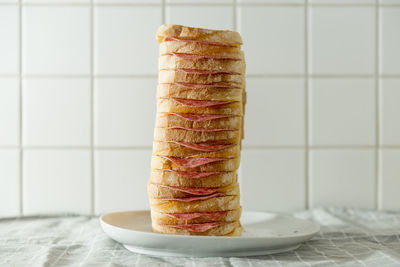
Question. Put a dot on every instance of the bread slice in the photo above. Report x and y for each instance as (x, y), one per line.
(236, 232)
(165, 120)
(168, 177)
(185, 135)
(164, 191)
(173, 106)
(189, 33)
(209, 205)
(168, 148)
(181, 76)
(206, 93)
(198, 62)
(225, 165)
(223, 216)
(222, 228)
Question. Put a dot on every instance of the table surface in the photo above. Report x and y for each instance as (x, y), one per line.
(348, 237)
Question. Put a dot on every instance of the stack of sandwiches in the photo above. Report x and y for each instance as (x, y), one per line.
(193, 186)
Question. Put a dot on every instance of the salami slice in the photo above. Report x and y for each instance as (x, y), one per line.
(200, 103)
(202, 146)
(196, 227)
(205, 72)
(193, 162)
(194, 215)
(195, 57)
(199, 86)
(198, 191)
(200, 117)
(192, 175)
(198, 41)
(189, 199)
(200, 129)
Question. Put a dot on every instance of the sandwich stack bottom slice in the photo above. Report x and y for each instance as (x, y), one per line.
(193, 188)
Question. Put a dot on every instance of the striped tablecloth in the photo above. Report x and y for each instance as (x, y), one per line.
(349, 237)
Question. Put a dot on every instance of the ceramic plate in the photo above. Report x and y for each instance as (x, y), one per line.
(264, 233)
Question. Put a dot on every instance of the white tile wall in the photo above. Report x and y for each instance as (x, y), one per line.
(77, 101)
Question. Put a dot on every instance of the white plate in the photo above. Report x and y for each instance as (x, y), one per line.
(264, 233)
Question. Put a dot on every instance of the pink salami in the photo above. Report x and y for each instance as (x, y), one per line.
(205, 72)
(189, 199)
(192, 175)
(195, 57)
(200, 117)
(200, 103)
(200, 129)
(193, 162)
(198, 41)
(196, 227)
(198, 191)
(199, 86)
(202, 146)
(194, 215)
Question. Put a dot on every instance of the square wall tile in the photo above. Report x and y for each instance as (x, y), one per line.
(390, 111)
(56, 111)
(125, 111)
(342, 112)
(57, 1)
(121, 180)
(342, 1)
(389, 179)
(390, 40)
(129, 1)
(199, 1)
(9, 111)
(56, 39)
(56, 182)
(9, 181)
(329, 27)
(270, 1)
(273, 38)
(275, 112)
(201, 16)
(9, 45)
(342, 177)
(124, 41)
(276, 177)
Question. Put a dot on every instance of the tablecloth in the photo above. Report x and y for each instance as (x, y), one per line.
(348, 237)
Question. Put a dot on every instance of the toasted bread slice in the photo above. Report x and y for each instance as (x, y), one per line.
(173, 106)
(175, 218)
(189, 33)
(194, 48)
(236, 232)
(224, 165)
(170, 148)
(209, 205)
(198, 62)
(168, 177)
(164, 191)
(185, 135)
(207, 93)
(218, 228)
(165, 120)
(181, 76)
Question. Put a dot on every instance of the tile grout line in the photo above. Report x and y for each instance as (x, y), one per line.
(21, 150)
(235, 15)
(306, 111)
(163, 12)
(377, 107)
(92, 171)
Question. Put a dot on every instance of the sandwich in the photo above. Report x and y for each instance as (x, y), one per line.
(193, 187)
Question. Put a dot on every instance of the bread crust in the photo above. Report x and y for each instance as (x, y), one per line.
(159, 176)
(211, 93)
(200, 34)
(165, 218)
(168, 62)
(221, 230)
(166, 134)
(228, 165)
(178, 76)
(200, 49)
(165, 120)
(161, 148)
(170, 105)
(209, 205)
